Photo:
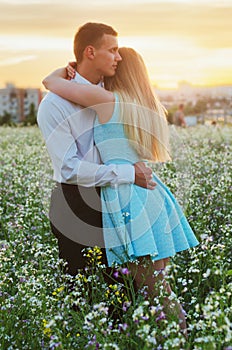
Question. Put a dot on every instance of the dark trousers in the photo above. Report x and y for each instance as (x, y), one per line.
(76, 221)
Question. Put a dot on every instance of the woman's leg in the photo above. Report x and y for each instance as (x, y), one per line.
(151, 274)
(145, 275)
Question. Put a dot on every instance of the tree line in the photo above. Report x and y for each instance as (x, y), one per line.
(29, 119)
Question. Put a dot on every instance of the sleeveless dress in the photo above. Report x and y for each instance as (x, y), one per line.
(137, 221)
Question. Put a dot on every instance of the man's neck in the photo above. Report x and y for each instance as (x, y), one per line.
(88, 73)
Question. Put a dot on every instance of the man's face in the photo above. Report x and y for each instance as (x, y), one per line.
(107, 56)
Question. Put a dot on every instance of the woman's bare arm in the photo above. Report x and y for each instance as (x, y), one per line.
(86, 95)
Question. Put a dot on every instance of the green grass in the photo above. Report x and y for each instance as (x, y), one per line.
(36, 309)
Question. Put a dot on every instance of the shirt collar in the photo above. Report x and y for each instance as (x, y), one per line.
(80, 79)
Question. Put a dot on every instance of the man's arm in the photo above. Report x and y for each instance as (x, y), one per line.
(67, 165)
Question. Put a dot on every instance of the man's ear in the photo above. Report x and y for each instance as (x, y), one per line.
(89, 52)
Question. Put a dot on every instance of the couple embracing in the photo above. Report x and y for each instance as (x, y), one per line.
(102, 122)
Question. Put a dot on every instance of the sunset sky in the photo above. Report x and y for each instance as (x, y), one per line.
(179, 40)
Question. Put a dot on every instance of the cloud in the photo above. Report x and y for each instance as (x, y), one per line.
(34, 43)
(180, 39)
(16, 60)
(105, 2)
(206, 22)
(22, 2)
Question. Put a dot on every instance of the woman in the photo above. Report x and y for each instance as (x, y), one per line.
(138, 224)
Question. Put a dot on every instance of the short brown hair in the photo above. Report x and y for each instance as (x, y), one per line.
(90, 34)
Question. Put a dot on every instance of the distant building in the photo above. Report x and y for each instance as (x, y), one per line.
(219, 106)
(187, 92)
(17, 101)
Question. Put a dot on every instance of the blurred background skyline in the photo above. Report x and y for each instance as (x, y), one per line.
(179, 40)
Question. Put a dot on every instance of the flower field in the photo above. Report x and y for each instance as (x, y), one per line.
(42, 308)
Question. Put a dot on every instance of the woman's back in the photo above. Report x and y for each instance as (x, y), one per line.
(111, 140)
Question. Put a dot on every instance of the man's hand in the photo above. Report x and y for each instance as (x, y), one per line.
(143, 176)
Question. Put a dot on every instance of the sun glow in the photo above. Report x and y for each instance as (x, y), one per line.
(178, 39)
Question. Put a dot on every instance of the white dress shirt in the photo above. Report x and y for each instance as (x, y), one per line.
(68, 132)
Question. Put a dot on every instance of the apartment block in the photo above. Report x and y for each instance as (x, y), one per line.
(17, 101)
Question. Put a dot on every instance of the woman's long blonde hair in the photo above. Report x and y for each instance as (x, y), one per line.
(143, 116)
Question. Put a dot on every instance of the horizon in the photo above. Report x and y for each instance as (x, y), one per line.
(178, 39)
(154, 86)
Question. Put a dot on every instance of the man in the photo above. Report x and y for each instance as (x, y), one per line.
(75, 211)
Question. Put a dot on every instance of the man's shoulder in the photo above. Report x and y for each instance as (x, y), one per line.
(54, 109)
(52, 98)
(53, 104)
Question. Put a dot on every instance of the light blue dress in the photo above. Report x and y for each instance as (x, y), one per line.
(137, 221)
